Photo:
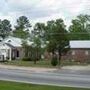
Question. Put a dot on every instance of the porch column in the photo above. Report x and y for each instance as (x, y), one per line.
(10, 57)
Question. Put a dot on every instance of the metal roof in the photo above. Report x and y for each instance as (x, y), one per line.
(80, 44)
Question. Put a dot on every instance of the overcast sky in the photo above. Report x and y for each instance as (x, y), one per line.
(43, 10)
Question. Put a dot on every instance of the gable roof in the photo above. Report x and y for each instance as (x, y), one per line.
(80, 44)
(4, 46)
(15, 42)
(9, 45)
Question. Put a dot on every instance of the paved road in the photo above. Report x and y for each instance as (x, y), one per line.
(59, 78)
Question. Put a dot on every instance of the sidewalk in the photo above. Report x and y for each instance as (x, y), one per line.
(31, 69)
(39, 69)
(77, 67)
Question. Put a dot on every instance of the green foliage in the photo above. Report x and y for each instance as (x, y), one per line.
(27, 48)
(57, 37)
(5, 28)
(38, 39)
(80, 28)
(55, 33)
(54, 61)
(31, 53)
(23, 23)
(39, 30)
(21, 34)
(26, 59)
(6, 85)
(22, 28)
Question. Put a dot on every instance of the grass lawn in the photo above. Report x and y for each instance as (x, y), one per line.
(5, 85)
(41, 63)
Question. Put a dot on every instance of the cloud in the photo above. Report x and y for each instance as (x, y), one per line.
(43, 10)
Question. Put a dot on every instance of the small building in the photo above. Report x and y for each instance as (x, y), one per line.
(79, 51)
(11, 48)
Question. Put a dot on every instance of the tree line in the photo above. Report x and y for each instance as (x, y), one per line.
(52, 36)
(78, 30)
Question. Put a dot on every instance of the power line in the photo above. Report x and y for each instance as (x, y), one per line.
(67, 33)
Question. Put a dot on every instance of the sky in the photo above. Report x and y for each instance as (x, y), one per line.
(43, 10)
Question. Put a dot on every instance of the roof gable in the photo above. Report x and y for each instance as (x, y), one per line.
(15, 42)
(4, 46)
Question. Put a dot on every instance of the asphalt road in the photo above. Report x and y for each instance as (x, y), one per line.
(58, 78)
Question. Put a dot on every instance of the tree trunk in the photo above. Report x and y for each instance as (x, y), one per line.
(35, 61)
(59, 60)
(36, 56)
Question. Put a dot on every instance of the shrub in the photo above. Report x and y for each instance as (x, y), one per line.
(7, 58)
(54, 61)
(26, 59)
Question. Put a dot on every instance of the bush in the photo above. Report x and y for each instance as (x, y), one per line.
(26, 59)
(7, 58)
(54, 61)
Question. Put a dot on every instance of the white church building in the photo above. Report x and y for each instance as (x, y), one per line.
(11, 48)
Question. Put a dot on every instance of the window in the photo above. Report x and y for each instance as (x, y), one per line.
(73, 52)
(86, 53)
(17, 53)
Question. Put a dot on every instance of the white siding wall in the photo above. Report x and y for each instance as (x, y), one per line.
(4, 50)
